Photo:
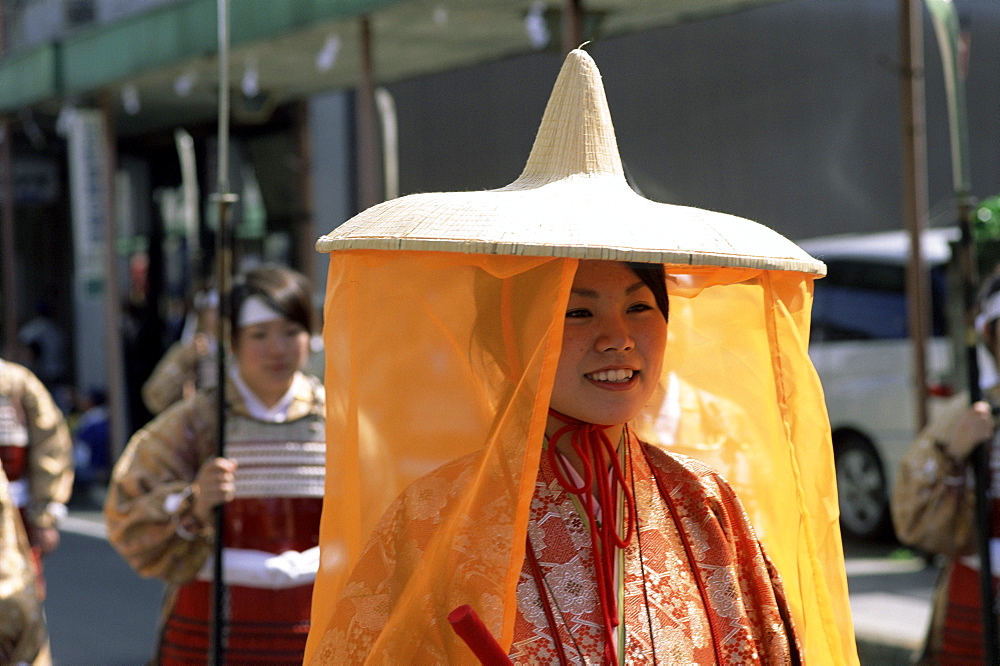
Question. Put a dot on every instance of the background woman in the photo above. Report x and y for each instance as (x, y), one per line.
(165, 486)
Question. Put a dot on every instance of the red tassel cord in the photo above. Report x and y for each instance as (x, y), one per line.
(596, 452)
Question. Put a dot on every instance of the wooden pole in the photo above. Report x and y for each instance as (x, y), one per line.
(8, 240)
(117, 398)
(369, 189)
(913, 122)
(572, 26)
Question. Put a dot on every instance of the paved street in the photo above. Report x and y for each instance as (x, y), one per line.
(100, 612)
(890, 588)
(103, 614)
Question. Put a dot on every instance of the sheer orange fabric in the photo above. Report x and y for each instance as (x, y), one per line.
(431, 356)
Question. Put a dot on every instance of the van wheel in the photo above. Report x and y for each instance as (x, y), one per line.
(861, 486)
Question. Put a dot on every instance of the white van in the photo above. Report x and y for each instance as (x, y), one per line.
(860, 347)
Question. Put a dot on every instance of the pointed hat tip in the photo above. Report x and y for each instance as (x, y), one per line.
(576, 135)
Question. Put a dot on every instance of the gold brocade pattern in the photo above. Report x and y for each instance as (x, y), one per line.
(724, 605)
(22, 625)
(31, 421)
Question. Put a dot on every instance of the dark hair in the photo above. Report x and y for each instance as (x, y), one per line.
(655, 277)
(284, 290)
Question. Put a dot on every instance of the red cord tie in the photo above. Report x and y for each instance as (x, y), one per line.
(596, 451)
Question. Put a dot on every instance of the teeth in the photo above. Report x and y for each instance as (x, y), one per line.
(619, 375)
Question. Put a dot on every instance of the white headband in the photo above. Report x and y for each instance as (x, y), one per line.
(255, 310)
(989, 312)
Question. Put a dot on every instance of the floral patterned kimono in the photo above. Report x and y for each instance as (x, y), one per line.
(694, 583)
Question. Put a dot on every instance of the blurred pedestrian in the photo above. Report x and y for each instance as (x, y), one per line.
(22, 624)
(36, 453)
(46, 345)
(190, 363)
(91, 442)
(933, 502)
(167, 483)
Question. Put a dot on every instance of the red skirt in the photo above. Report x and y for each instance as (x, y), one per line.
(962, 633)
(264, 626)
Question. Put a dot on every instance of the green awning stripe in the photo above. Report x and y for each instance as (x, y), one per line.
(160, 38)
(29, 77)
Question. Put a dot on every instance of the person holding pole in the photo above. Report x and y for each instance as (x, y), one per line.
(934, 497)
(167, 483)
(505, 356)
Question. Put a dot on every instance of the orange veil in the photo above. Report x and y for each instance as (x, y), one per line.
(444, 341)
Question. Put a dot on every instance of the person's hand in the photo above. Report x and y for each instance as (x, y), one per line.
(214, 485)
(202, 344)
(973, 427)
(197, 348)
(45, 539)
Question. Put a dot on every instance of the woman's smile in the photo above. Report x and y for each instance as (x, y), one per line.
(614, 379)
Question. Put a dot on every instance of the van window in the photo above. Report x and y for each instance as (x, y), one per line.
(861, 300)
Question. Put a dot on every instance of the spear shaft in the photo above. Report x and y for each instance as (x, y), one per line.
(224, 201)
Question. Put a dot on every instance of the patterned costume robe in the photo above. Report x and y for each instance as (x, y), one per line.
(22, 626)
(35, 446)
(697, 587)
(272, 525)
(933, 508)
(36, 452)
(180, 366)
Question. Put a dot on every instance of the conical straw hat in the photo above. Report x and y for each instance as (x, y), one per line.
(571, 200)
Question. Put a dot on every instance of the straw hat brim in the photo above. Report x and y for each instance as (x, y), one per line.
(572, 200)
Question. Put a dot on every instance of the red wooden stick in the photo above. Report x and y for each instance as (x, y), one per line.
(471, 629)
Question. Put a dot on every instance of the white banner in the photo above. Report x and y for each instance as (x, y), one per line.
(88, 192)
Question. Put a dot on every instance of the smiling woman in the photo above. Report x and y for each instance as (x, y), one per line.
(505, 356)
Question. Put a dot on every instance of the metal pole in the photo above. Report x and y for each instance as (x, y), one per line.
(223, 271)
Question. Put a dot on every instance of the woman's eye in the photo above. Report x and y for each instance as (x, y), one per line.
(640, 307)
(578, 313)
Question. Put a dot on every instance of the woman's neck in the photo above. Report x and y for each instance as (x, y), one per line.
(565, 446)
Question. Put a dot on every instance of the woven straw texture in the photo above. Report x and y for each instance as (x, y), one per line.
(571, 200)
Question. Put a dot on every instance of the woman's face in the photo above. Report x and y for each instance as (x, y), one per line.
(612, 347)
(269, 354)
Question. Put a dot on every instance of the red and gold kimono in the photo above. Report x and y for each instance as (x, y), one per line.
(694, 586)
(271, 535)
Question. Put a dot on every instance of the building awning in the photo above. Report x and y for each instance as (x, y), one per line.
(167, 56)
